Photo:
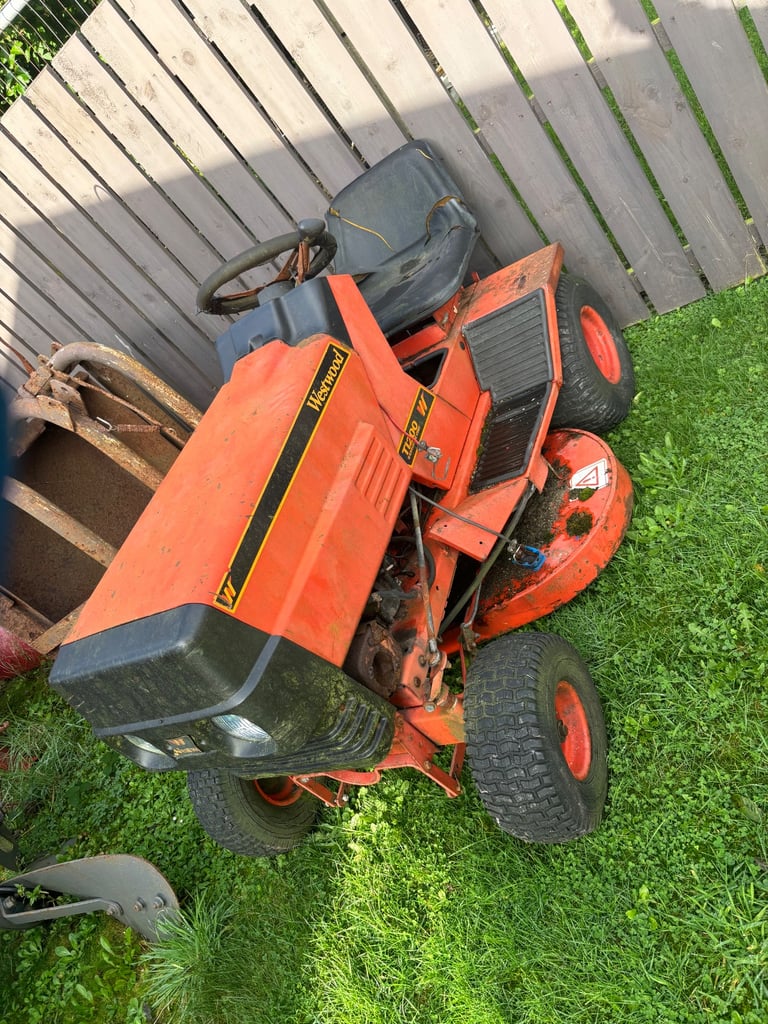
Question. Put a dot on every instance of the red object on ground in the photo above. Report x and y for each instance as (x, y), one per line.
(16, 656)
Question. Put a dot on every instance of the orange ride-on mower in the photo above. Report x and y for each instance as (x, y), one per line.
(399, 465)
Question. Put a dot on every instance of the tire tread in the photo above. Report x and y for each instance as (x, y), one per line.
(245, 823)
(519, 776)
(587, 401)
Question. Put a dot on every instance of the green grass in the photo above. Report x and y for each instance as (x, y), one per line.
(408, 907)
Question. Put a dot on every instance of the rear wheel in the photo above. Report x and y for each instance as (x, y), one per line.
(536, 738)
(598, 379)
(252, 817)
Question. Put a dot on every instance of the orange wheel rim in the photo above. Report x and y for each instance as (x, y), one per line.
(282, 792)
(573, 730)
(601, 344)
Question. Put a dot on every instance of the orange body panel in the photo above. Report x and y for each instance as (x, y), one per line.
(539, 270)
(493, 506)
(412, 412)
(342, 476)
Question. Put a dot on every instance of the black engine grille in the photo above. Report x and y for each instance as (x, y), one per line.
(513, 360)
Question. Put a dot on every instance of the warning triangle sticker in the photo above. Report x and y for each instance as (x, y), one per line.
(592, 477)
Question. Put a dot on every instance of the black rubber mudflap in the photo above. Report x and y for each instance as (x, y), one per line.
(512, 357)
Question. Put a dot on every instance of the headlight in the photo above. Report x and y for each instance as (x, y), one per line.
(144, 753)
(241, 728)
(142, 744)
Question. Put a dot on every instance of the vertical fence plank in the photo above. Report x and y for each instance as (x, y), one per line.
(653, 104)
(79, 276)
(133, 129)
(548, 57)
(710, 41)
(130, 293)
(402, 72)
(115, 171)
(240, 38)
(11, 373)
(321, 55)
(193, 135)
(21, 324)
(217, 91)
(35, 286)
(485, 84)
(13, 340)
(39, 318)
(134, 241)
(759, 11)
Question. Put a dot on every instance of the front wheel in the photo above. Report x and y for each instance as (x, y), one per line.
(536, 738)
(598, 379)
(252, 817)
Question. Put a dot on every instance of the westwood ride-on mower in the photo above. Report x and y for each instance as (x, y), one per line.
(402, 464)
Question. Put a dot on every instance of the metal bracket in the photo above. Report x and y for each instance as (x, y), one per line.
(124, 887)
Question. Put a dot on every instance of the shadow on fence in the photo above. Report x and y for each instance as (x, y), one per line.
(164, 139)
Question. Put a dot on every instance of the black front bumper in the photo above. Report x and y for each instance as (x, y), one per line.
(157, 688)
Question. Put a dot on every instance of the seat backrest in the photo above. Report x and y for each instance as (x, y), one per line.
(386, 210)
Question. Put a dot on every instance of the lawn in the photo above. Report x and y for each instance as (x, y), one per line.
(408, 907)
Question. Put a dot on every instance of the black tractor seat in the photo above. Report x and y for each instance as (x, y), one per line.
(405, 226)
(403, 232)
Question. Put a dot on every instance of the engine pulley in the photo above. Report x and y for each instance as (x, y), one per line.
(374, 658)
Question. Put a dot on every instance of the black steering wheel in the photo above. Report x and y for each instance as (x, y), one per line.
(310, 234)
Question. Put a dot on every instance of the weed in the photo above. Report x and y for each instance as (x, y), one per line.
(184, 967)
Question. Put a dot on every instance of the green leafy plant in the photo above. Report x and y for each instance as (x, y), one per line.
(32, 40)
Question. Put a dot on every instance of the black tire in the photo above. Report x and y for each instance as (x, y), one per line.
(252, 817)
(537, 786)
(598, 379)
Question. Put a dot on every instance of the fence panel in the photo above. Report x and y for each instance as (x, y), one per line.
(138, 247)
(34, 285)
(46, 311)
(216, 90)
(719, 62)
(168, 135)
(113, 112)
(655, 108)
(274, 83)
(94, 264)
(326, 62)
(14, 349)
(498, 105)
(399, 66)
(183, 122)
(119, 176)
(543, 48)
(759, 11)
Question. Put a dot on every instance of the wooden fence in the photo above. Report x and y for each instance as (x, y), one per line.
(168, 135)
